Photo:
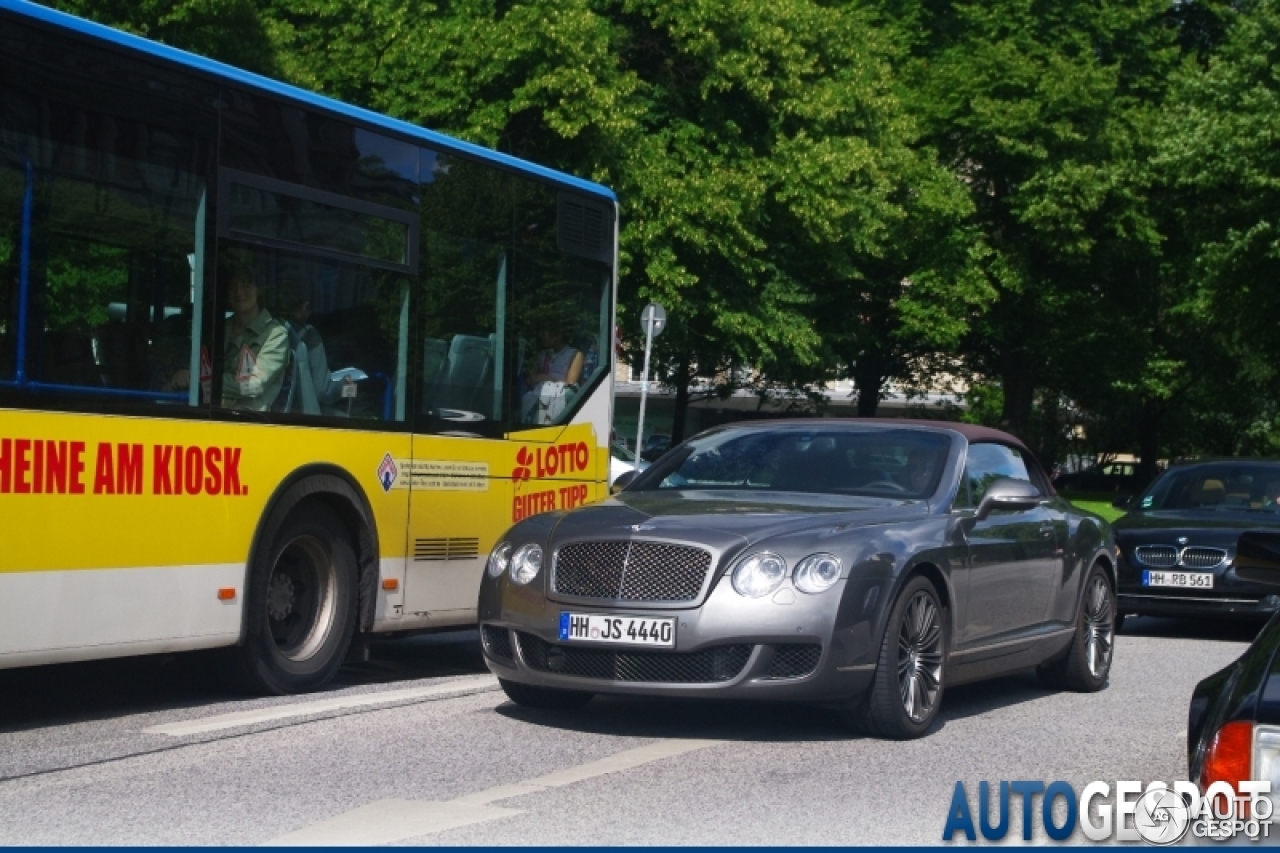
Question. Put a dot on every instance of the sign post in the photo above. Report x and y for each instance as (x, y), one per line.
(654, 320)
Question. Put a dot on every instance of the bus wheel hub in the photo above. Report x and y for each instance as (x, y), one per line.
(280, 597)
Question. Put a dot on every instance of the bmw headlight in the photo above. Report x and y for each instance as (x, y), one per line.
(526, 563)
(759, 574)
(817, 573)
(499, 559)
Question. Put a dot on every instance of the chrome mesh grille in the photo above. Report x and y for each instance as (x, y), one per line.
(708, 666)
(794, 660)
(1157, 556)
(631, 571)
(1203, 558)
(591, 569)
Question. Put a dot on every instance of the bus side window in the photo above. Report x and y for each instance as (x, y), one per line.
(103, 221)
(311, 337)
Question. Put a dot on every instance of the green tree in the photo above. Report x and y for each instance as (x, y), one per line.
(1040, 107)
(228, 30)
(1218, 158)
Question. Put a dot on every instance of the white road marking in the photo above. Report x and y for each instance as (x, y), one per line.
(389, 821)
(219, 722)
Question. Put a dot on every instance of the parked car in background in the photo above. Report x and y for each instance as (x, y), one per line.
(1108, 477)
(622, 461)
(866, 565)
(1177, 542)
(654, 446)
(1233, 724)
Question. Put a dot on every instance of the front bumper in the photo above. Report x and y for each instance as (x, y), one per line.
(1229, 595)
(813, 649)
(1147, 604)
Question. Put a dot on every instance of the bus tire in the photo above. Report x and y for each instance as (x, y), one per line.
(300, 605)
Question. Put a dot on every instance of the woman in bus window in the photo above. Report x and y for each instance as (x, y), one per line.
(257, 347)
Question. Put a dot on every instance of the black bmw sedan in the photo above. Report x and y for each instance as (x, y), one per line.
(1177, 542)
(865, 565)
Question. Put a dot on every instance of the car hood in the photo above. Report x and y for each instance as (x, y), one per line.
(1180, 527)
(724, 518)
(1184, 521)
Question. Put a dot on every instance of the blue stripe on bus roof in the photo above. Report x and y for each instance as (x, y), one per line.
(256, 81)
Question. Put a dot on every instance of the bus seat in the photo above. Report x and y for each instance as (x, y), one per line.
(68, 360)
(468, 370)
(435, 353)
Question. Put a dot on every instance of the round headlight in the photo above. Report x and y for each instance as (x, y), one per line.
(526, 563)
(817, 573)
(499, 559)
(759, 574)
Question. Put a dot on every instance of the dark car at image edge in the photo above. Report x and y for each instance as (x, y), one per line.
(1233, 723)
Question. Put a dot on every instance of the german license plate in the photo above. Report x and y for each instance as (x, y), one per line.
(618, 630)
(1185, 580)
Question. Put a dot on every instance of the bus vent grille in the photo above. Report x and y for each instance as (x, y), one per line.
(446, 549)
(585, 229)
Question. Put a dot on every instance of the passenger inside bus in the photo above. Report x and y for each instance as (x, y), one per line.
(256, 347)
(555, 372)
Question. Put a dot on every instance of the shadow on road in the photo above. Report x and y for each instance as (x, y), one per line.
(756, 721)
(60, 694)
(1230, 629)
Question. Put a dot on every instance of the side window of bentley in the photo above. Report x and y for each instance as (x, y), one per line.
(987, 463)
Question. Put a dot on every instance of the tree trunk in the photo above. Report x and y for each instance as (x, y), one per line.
(1149, 440)
(1018, 380)
(868, 380)
(682, 400)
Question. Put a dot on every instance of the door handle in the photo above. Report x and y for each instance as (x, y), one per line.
(1046, 529)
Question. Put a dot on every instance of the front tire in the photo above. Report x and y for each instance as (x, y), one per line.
(1087, 663)
(906, 693)
(544, 697)
(300, 606)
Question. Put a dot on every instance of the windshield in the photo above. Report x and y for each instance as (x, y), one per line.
(887, 463)
(1224, 486)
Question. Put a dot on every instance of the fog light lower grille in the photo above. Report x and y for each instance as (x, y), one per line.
(707, 666)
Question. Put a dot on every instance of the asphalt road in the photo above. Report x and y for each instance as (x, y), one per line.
(418, 746)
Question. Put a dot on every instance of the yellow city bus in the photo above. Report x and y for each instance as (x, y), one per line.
(275, 372)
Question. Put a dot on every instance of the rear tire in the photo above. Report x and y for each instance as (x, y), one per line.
(1087, 663)
(544, 697)
(300, 606)
(906, 692)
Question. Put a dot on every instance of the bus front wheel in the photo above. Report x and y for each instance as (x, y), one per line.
(301, 605)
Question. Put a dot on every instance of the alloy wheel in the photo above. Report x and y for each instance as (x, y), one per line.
(920, 656)
(1099, 626)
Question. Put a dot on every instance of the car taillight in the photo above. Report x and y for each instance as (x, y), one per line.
(1229, 758)
(1230, 755)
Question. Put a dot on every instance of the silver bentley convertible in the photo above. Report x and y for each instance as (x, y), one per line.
(864, 565)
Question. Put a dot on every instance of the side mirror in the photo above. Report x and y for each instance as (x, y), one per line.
(622, 482)
(1008, 493)
(1258, 557)
(1122, 501)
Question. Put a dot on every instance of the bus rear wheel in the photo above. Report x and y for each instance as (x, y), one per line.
(301, 605)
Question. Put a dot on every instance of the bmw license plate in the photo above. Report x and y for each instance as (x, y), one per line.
(618, 630)
(1185, 580)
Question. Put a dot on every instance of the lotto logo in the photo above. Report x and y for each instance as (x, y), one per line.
(387, 473)
(523, 460)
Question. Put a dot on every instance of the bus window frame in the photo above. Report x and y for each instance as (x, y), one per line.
(228, 176)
